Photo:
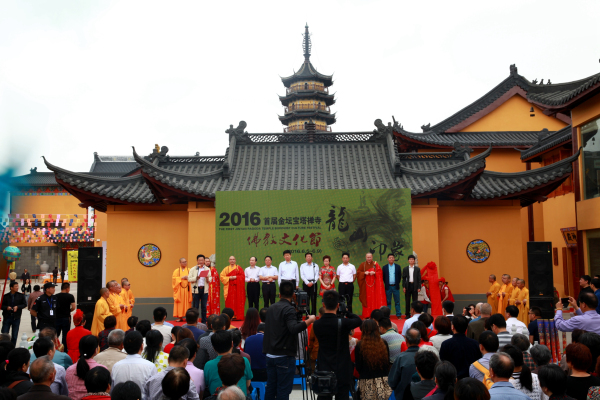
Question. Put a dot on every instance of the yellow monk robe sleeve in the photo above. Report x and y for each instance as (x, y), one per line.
(113, 304)
(131, 297)
(225, 280)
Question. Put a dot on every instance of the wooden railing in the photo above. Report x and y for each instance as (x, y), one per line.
(307, 86)
(295, 107)
(301, 128)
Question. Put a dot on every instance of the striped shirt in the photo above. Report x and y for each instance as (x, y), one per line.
(394, 341)
(504, 338)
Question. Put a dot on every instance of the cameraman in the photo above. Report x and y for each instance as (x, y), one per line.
(280, 343)
(330, 356)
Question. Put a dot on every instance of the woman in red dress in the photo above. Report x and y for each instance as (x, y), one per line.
(445, 292)
(327, 276)
(214, 291)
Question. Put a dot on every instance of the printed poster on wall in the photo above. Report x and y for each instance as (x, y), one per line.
(72, 262)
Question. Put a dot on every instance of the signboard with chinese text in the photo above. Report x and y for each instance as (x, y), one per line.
(570, 236)
(324, 222)
(72, 263)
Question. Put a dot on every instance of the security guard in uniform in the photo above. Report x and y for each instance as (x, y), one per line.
(44, 307)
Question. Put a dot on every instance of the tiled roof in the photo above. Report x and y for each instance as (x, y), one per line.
(132, 189)
(34, 179)
(473, 139)
(307, 71)
(116, 165)
(328, 99)
(498, 185)
(557, 94)
(546, 141)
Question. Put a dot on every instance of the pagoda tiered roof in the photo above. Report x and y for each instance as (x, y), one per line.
(311, 160)
(327, 99)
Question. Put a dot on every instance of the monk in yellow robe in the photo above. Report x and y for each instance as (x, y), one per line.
(504, 294)
(492, 293)
(512, 300)
(127, 296)
(101, 311)
(125, 311)
(181, 290)
(523, 302)
(115, 303)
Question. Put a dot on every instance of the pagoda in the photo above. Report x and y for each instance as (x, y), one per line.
(307, 96)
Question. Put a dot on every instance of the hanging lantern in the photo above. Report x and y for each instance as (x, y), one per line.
(11, 254)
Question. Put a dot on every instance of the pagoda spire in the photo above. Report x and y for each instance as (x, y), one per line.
(306, 44)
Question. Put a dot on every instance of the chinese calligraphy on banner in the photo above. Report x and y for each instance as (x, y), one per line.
(324, 222)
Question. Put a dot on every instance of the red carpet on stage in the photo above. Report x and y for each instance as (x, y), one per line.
(238, 324)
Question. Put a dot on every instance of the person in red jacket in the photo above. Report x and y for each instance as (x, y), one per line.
(75, 335)
(445, 291)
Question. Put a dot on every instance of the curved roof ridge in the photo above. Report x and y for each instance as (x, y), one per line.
(113, 178)
(536, 171)
(147, 164)
(459, 165)
(514, 79)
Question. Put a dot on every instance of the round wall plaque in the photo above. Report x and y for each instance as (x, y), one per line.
(149, 255)
(478, 251)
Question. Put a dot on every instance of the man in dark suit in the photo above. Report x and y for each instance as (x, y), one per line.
(330, 356)
(476, 328)
(411, 283)
(459, 350)
(392, 273)
(12, 308)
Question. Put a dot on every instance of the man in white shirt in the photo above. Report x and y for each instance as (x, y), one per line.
(199, 295)
(416, 309)
(309, 272)
(160, 315)
(252, 283)
(346, 275)
(268, 274)
(133, 367)
(512, 312)
(288, 270)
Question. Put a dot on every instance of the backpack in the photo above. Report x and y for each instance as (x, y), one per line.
(487, 381)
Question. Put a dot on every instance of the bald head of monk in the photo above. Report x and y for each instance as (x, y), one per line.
(104, 292)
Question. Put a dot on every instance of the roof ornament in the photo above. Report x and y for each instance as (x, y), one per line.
(542, 82)
(96, 156)
(306, 44)
(397, 126)
(535, 81)
(425, 128)
(33, 170)
(239, 133)
(461, 150)
(513, 70)
(382, 130)
(159, 153)
(543, 134)
(549, 83)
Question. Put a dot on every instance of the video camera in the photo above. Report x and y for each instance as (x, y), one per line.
(343, 308)
(300, 302)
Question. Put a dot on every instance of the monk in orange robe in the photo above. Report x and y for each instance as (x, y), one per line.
(512, 300)
(234, 291)
(370, 285)
(101, 311)
(181, 290)
(523, 302)
(492, 293)
(116, 304)
(504, 294)
(127, 296)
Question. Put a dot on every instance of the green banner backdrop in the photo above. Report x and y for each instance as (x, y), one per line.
(324, 222)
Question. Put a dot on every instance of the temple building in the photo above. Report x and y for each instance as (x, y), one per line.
(505, 169)
(307, 96)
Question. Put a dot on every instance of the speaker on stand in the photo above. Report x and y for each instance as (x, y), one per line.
(89, 278)
(541, 278)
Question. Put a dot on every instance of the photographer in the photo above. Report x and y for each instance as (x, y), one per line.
(332, 357)
(280, 343)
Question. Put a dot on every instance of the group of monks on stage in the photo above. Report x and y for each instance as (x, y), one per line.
(116, 299)
(512, 292)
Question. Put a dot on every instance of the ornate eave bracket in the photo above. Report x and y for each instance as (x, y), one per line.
(387, 133)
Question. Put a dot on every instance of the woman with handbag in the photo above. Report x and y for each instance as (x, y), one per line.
(372, 363)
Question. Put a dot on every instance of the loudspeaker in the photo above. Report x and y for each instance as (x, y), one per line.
(89, 275)
(541, 279)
